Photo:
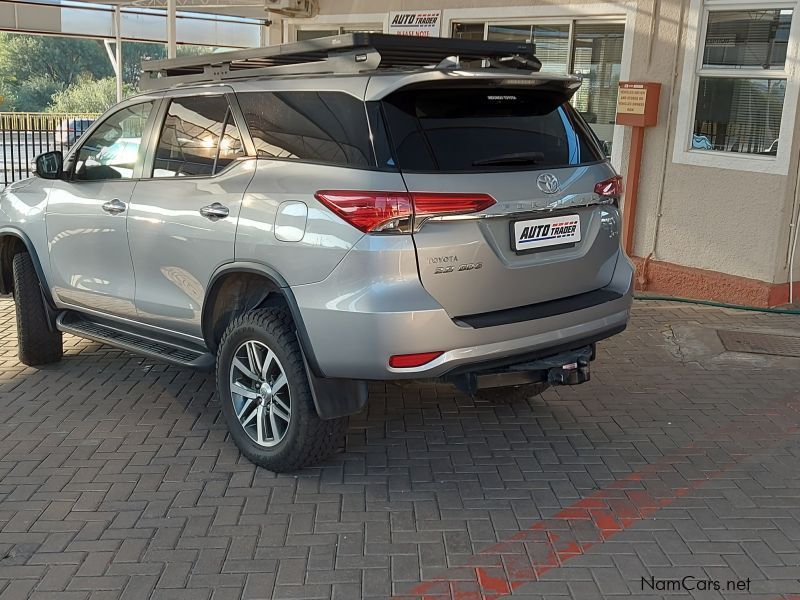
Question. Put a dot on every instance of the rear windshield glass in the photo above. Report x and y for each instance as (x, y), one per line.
(486, 129)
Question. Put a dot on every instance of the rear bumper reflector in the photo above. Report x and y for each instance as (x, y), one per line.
(409, 361)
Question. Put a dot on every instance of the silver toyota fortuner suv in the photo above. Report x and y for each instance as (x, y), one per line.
(310, 217)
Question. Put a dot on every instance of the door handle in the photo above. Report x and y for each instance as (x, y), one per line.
(115, 206)
(215, 212)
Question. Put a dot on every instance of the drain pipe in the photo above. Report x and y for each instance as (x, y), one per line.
(791, 258)
(793, 236)
(674, 93)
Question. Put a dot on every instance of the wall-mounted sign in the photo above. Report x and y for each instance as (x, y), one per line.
(637, 107)
(632, 100)
(422, 23)
(637, 103)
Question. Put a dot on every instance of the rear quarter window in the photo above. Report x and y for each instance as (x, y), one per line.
(486, 130)
(319, 127)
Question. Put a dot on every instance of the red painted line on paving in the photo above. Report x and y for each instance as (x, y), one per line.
(547, 544)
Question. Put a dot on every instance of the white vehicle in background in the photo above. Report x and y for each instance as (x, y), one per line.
(69, 130)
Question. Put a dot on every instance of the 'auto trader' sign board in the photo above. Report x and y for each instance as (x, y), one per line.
(421, 23)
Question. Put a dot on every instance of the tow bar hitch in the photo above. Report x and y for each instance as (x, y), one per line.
(566, 368)
(570, 374)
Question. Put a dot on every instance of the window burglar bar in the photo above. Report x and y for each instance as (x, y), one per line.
(23, 136)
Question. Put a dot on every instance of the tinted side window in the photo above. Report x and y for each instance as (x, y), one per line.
(111, 152)
(324, 127)
(486, 129)
(199, 137)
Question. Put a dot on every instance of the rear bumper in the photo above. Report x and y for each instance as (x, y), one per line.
(368, 311)
(570, 332)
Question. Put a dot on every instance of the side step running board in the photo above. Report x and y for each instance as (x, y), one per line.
(134, 342)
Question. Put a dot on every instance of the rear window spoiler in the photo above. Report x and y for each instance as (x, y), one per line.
(562, 87)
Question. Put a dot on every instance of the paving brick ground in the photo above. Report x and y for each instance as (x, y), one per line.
(117, 480)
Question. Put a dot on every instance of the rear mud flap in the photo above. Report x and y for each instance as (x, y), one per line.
(334, 398)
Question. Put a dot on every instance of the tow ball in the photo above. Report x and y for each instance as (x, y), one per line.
(573, 373)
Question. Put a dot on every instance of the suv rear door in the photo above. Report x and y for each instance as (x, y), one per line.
(549, 235)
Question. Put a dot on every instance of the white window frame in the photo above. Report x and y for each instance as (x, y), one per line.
(365, 20)
(693, 69)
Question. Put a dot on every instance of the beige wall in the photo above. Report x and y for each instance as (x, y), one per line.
(723, 220)
(718, 219)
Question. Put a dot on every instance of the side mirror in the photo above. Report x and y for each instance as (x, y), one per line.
(50, 165)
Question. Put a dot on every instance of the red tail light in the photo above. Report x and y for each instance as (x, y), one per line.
(408, 361)
(395, 211)
(610, 188)
(368, 211)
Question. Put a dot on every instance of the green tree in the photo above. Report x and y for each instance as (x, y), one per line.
(7, 94)
(88, 95)
(195, 50)
(64, 60)
(34, 69)
(133, 53)
(35, 93)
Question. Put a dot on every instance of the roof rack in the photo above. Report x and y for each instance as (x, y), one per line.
(348, 53)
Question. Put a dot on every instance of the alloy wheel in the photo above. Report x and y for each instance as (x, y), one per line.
(260, 393)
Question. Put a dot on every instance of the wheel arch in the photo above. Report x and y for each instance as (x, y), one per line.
(243, 286)
(13, 241)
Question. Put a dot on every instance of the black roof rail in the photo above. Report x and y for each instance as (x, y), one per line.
(348, 53)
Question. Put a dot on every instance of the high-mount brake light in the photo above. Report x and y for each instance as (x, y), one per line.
(397, 212)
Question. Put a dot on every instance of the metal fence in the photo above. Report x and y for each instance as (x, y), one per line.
(23, 136)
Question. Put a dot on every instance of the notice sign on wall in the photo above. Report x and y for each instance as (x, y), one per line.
(421, 23)
(637, 103)
(632, 99)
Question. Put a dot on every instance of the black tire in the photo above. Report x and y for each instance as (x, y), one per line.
(512, 394)
(37, 343)
(308, 440)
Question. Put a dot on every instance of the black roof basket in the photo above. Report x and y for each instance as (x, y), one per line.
(348, 53)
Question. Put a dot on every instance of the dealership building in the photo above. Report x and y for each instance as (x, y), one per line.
(716, 214)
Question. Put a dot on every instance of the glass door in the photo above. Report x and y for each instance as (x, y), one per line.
(597, 57)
